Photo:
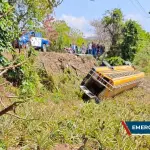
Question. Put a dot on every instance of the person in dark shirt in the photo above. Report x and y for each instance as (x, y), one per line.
(94, 49)
(98, 50)
(102, 49)
(77, 49)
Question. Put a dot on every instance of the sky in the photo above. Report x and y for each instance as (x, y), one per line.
(79, 13)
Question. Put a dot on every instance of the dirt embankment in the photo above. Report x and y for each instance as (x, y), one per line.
(145, 84)
(58, 62)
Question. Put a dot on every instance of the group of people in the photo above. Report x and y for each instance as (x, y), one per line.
(91, 48)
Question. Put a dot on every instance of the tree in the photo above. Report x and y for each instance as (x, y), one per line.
(63, 38)
(49, 29)
(67, 35)
(134, 40)
(101, 35)
(8, 29)
(113, 23)
(60, 34)
(12, 13)
(77, 37)
(126, 38)
(32, 12)
(130, 40)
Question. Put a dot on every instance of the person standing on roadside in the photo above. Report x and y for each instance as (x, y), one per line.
(94, 49)
(102, 49)
(90, 48)
(79, 50)
(83, 49)
(76, 50)
(73, 48)
(98, 50)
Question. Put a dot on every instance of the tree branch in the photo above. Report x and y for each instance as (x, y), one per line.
(5, 69)
(5, 14)
(9, 108)
(54, 4)
(16, 116)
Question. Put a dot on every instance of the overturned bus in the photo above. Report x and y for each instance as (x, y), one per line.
(106, 81)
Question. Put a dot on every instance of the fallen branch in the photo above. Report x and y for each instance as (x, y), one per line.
(1, 73)
(12, 96)
(5, 69)
(14, 115)
(75, 69)
(78, 69)
(12, 64)
(10, 107)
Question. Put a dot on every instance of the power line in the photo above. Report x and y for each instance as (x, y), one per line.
(146, 16)
(142, 8)
(134, 5)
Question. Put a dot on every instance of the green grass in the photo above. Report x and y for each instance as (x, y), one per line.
(59, 116)
(71, 120)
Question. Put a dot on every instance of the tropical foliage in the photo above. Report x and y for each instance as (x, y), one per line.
(30, 13)
(61, 35)
(125, 38)
(113, 23)
(133, 37)
(61, 116)
(8, 28)
(142, 59)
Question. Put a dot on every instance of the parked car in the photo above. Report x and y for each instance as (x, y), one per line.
(34, 39)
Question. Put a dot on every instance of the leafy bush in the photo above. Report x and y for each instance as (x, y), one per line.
(8, 27)
(46, 79)
(30, 85)
(2, 145)
(142, 59)
(66, 86)
(115, 61)
(15, 76)
(130, 40)
(61, 35)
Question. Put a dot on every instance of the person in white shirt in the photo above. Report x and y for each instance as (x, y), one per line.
(90, 48)
(83, 49)
(73, 48)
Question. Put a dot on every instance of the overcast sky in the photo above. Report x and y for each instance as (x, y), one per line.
(79, 13)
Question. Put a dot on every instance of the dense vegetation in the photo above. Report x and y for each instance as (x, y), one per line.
(125, 38)
(46, 123)
(50, 109)
(8, 28)
(61, 35)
